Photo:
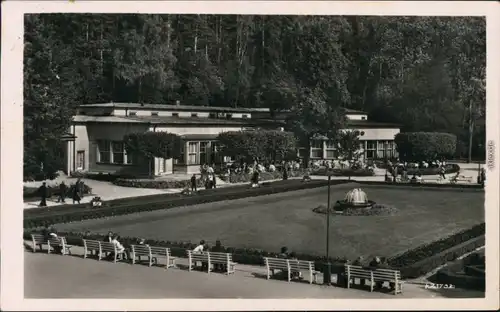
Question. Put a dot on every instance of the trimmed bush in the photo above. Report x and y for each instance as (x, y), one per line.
(416, 146)
(263, 145)
(105, 177)
(156, 184)
(83, 212)
(348, 172)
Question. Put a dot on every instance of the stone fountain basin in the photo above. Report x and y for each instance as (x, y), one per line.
(343, 204)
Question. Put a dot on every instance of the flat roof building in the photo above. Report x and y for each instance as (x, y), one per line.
(98, 131)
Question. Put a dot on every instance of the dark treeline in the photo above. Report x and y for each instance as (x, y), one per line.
(426, 73)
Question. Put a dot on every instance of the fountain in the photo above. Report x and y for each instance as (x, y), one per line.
(355, 198)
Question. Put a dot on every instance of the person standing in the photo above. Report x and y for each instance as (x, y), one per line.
(43, 194)
(62, 192)
(193, 183)
(214, 180)
(285, 173)
(442, 171)
(75, 194)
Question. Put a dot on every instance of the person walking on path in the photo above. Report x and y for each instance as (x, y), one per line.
(62, 192)
(43, 194)
(442, 171)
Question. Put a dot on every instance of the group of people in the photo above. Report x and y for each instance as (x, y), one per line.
(75, 191)
(374, 264)
(202, 247)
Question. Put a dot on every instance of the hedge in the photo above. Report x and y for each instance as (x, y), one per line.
(343, 172)
(418, 254)
(156, 184)
(448, 169)
(31, 193)
(413, 146)
(84, 212)
(105, 177)
(252, 256)
(446, 276)
(263, 176)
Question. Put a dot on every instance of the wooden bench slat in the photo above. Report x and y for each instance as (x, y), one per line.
(374, 275)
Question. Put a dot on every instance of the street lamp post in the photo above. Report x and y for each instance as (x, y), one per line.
(327, 275)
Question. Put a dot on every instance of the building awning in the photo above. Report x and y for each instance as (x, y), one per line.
(200, 136)
(68, 137)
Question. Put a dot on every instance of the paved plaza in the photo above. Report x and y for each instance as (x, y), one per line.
(56, 276)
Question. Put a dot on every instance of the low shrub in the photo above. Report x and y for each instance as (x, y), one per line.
(446, 276)
(84, 212)
(376, 210)
(263, 176)
(156, 184)
(343, 172)
(429, 186)
(31, 193)
(418, 254)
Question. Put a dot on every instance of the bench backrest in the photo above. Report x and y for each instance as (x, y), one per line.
(56, 241)
(301, 264)
(141, 250)
(198, 256)
(276, 263)
(107, 247)
(359, 271)
(160, 251)
(220, 256)
(38, 238)
(91, 244)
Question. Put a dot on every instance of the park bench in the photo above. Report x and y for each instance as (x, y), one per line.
(91, 246)
(290, 266)
(59, 241)
(374, 276)
(107, 247)
(38, 240)
(226, 259)
(195, 257)
(153, 253)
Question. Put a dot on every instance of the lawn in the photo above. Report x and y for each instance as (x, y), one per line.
(286, 219)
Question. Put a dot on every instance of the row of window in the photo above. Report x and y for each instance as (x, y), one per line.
(373, 149)
(112, 152)
(210, 115)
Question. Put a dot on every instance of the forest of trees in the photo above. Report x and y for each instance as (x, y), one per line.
(426, 73)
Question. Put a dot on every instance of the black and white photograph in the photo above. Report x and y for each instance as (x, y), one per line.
(249, 150)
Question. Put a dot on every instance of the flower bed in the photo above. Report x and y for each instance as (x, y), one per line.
(430, 186)
(31, 193)
(343, 172)
(375, 210)
(263, 176)
(156, 184)
(418, 254)
(78, 213)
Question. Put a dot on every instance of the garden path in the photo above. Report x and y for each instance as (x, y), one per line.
(55, 276)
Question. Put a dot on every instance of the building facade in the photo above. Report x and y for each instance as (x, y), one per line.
(98, 131)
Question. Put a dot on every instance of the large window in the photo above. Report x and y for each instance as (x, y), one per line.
(331, 151)
(112, 152)
(193, 150)
(104, 151)
(203, 153)
(371, 147)
(317, 149)
(118, 152)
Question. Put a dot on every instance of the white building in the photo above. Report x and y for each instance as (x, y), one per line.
(98, 130)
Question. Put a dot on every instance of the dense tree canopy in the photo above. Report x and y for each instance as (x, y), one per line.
(426, 73)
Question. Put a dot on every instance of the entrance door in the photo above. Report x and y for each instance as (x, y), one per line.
(162, 165)
(80, 160)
